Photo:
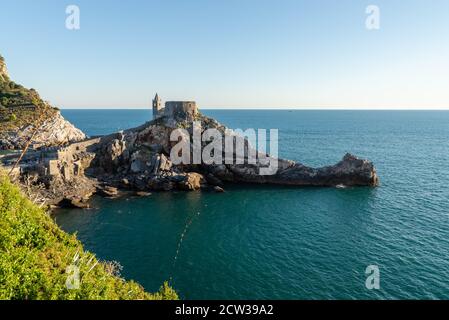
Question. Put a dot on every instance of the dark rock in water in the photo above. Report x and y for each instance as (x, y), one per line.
(218, 189)
(213, 180)
(350, 171)
(221, 172)
(143, 194)
(73, 203)
(178, 178)
(168, 186)
(108, 191)
(160, 184)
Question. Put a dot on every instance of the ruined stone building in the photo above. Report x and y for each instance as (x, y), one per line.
(173, 109)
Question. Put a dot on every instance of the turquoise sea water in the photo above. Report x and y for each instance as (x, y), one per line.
(255, 242)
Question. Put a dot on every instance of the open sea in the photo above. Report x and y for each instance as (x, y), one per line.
(263, 242)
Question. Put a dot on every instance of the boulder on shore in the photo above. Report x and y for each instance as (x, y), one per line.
(192, 181)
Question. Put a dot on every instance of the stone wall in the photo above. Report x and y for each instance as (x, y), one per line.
(69, 161)
(181, 109)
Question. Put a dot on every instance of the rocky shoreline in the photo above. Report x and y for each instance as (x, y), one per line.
(138, 160)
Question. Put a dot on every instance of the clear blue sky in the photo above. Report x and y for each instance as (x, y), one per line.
(231, 53)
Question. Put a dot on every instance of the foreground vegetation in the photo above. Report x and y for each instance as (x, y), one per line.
(37, 258)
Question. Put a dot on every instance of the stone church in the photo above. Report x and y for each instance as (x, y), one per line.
(173, 109)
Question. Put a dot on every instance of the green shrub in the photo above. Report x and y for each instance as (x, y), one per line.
(12, 117)
(35, 254)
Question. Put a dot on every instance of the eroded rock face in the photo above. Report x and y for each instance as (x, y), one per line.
(192, 181)
(73, 193)
(56, 131)
(3, 70)
(350, 171)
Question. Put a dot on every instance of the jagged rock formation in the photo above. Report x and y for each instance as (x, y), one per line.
(139, 159)
(3, 70)
(54, 131)
(22, 112)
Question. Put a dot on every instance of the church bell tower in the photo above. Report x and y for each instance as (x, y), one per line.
(157, 106)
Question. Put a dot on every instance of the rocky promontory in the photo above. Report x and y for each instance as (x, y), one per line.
(139, 160)
(61, 166)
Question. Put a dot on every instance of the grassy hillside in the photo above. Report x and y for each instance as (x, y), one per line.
(19, 106)
(35, 258)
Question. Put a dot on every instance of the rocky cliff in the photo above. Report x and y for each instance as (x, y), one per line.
(24, 115)
(53, 131)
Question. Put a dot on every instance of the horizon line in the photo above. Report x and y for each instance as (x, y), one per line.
(274, 108)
